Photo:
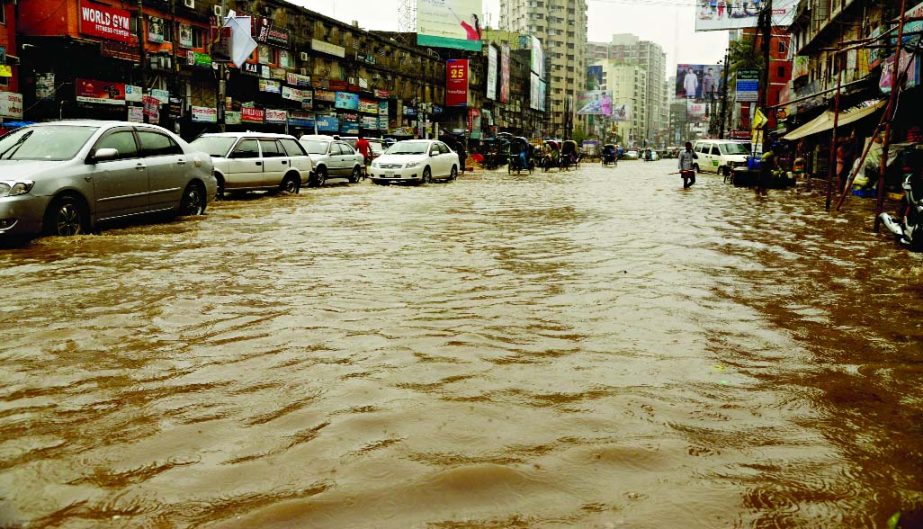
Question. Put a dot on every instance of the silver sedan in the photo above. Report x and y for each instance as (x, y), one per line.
(66, 177)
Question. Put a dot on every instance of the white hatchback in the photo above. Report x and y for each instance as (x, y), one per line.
(249, 161)
(418, 161)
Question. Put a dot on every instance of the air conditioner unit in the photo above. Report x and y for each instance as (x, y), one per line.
(217, 11)
(303, 55)
(189, 3)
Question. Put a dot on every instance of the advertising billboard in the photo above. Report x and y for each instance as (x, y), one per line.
(537, 91)
(106, 22)
(456, 83)
(537, 62)
(594, 102)
(621, 112)
(505, 73)
(698, 81)
(594, 78)
(696, 111)
(450, 24)
(347, 101)
(492, 73)
(717, 15)
(100, 92)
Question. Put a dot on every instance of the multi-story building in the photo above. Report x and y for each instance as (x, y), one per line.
(628, 49)
(561, 25)
(515, 114)
(10, 98)
(628, 84)
(309, 72)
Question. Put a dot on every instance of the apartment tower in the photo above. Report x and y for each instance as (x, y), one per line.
(562, 27)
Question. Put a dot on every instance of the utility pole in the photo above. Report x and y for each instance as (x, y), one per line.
(141, 52)
(724, 93)
(222, 74)
(764, 85)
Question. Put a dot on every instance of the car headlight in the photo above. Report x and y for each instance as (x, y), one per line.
(16, 188)
(375, 165)
(411, 165)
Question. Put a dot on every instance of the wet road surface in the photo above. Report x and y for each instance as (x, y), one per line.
(596, 348)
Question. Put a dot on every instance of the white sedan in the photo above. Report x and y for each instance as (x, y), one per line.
(418, 161)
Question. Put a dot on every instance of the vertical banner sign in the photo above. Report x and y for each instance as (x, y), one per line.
(456, 83)
(492, 73)
(505, 74)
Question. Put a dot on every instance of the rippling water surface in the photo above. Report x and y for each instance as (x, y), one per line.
(595, 348)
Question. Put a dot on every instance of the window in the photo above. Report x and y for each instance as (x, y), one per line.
(157, 144)
(122, 141)
(293, 148)
(2, 12)
(271, 149)
(346, 149)
(781, 71)
(714, 150)
(246, 149)
(781, 46)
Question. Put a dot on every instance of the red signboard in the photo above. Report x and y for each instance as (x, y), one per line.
(456, 83)
(252, 115)
(100, 92)
(106, 22)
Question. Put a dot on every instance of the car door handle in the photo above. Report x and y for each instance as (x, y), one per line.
(180, 162)
(88, 178)
(139, 167)
(259, 163)
(284, 162)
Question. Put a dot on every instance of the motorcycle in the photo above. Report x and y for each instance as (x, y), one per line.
(909, 228)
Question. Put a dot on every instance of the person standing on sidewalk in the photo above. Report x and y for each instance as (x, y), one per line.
(687, 165)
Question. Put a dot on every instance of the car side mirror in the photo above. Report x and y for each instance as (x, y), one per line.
(102, 155)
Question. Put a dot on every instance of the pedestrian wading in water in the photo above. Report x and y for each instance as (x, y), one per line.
(687, 165)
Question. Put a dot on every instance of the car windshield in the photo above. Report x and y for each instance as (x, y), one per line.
(734, 148)
(316, 147)
(213, 145)
(52, 143)
(409, 147)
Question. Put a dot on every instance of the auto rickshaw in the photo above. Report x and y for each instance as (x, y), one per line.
(519, 156)
(570, 155)
(610, 155)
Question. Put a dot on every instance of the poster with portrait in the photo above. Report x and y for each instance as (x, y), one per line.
(185, 36)
(594, 103)
(505, 73)
(698, 81)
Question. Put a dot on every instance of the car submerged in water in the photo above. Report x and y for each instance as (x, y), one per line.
(417, 161)
(67, 177)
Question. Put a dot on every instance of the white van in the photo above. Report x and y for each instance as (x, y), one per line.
(720, 156)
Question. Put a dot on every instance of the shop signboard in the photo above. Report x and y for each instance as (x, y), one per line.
(151, 105)
(347, 101)
(136, 114)
(456, 83)
(718, 15)
(155, 30)
(111, 23)
(162, 95)
(301, 119)
(278, 74)
(492, 65)
(329, 49)
(204, 115)
(337, 86)
(278, 37)
(298, 80)
(271, 87)
(369, 122)
(505, 73)
(383, 110)
(295, 94)
(349, 127)
(133, 93)
(251, 115)
(381, 94)
(748, 86)
(44, 85)
(328, 124)
(175, 107)
(202, 60)
(276, 116)
(382, 123)
(232, 117)
(450, 24)
(368, 106)
(11, 105)
(250, 69)
(325, 95)
(100, 92)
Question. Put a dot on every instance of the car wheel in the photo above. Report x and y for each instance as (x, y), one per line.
(220, 193)
(454, 174)
(67, 216)
(193, 201)
(321, 176)
(289, 185)
(427, 176)
(356, 176)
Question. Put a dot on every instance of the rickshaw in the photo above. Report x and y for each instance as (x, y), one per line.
(610, 155)
(570, 156)
(551, 155)
(494, 151)
(519, 156)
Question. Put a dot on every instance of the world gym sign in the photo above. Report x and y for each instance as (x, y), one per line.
(106, 22)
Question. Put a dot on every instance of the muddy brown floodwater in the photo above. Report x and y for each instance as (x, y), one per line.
(590, 349)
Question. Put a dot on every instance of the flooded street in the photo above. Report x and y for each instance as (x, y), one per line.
(591, 349)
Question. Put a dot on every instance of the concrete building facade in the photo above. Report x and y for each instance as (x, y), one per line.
(628, 84)
(562, 27)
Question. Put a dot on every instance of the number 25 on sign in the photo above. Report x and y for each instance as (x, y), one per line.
(457, 72)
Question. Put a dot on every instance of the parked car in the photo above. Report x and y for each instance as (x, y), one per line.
(630, 155)
(333, 159)
(67, 177)
(418, 161)
(250, 161)
(720, 156)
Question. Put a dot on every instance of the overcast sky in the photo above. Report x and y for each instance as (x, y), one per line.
(654, 20)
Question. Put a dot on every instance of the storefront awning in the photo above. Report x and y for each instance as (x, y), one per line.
(824, 122)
